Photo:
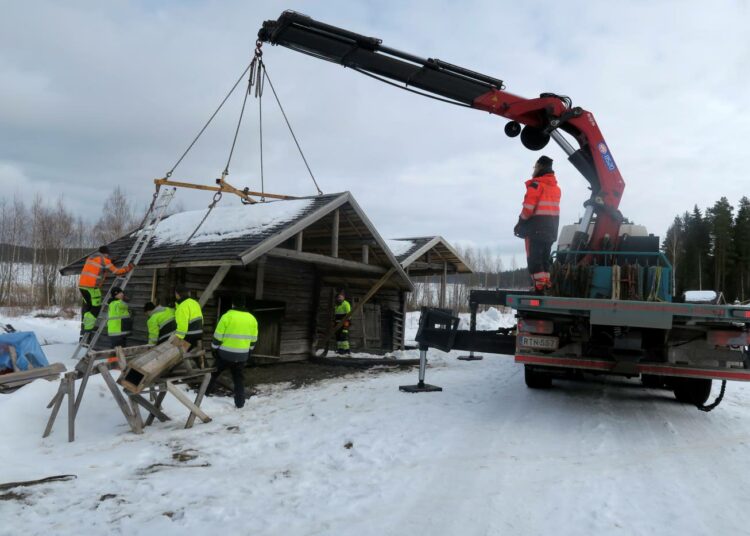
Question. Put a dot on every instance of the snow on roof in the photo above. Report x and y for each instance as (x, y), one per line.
(700, 296)
(399, 247)
(228, 222)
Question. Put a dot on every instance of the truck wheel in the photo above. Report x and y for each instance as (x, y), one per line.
(692, 390)
(535, 379)
(652, 381)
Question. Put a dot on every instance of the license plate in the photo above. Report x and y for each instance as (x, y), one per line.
(538, 342)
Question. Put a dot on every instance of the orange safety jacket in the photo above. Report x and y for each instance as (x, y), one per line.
(541, 207)
(92, 275)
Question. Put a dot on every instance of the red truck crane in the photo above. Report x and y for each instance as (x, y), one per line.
(612, 311)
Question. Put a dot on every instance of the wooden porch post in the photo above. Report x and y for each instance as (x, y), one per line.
(365, 254)
(298, 242)
(443, 284)
(259, 278)
(335, 234)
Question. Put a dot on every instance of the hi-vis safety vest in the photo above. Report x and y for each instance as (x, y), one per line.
(542, 197)
(161, 324)
(235, 335)
(119, 321)
(189, 318)
(92, 275)
(342, 309)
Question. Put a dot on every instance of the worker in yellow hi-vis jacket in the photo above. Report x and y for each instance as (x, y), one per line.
(188, 317)
(233, 342)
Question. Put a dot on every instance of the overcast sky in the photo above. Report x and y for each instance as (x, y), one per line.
(96, 94)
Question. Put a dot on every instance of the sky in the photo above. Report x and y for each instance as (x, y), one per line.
(100, 94)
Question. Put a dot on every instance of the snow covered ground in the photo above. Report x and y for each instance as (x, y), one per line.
(353, 455)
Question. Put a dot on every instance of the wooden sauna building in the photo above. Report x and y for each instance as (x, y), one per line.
(286, 259)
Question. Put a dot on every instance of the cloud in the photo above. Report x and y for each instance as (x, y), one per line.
(103, 94)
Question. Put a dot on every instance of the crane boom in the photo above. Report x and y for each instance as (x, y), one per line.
(543, 117)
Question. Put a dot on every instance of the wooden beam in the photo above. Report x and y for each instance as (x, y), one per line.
(223, 186)
(326, 261)
(216, 280)
(443, 284)
(298, 241)
(335, 233)
(259, 278)
(182, 397)
(153, 285)
(365, 254)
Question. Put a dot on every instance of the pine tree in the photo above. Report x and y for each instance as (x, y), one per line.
(741, 237)
(720, 220)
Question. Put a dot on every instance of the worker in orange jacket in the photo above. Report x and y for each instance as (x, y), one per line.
(90, 284)
(539, 221)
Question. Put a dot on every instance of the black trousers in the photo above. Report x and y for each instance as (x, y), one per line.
(238, 378)
(193, 340)
(537, 256)
(119, 340)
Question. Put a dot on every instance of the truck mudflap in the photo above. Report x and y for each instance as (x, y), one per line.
(614, 367)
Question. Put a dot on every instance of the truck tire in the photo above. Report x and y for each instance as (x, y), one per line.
(692, 390)
(535, 379)
(652, 381)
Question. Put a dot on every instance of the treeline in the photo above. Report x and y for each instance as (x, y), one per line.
(489, 273)
(710, 249)
(37, 239)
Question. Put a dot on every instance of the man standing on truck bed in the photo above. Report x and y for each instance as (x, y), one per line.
(539, 221)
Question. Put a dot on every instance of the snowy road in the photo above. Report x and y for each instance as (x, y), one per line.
(486, 456)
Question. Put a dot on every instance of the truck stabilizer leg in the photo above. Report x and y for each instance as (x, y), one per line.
(421, 386)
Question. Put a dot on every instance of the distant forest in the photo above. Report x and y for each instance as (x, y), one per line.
(710, 249)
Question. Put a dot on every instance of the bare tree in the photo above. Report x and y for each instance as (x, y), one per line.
(117, 219)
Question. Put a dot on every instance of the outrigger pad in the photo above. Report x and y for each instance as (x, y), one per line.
(470, 357)
(419, 388)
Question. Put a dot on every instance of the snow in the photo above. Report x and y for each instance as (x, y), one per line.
(228, 222)
(700, 296)
(485, 456)
(399, 247)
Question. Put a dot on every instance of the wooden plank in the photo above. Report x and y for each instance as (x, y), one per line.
(71, 392)
(117, 395)
(298, 241)
(57, 400)
(316, 258)
(335, 234)
(137, 420)
(365, 254)
(182, 397)
(198, 399)
(157, 405)
(33, 374)
(213, 284)
(154, 410)
(259, 278)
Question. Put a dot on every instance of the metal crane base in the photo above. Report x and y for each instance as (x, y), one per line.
(470, 357)
(421, 387)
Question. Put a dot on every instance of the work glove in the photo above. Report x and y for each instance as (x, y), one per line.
(131, 266)
(517, 229)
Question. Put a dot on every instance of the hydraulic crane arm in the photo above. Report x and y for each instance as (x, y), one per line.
(543, 118)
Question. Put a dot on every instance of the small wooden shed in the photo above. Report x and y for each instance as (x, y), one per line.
(429, 256)
(286, 258)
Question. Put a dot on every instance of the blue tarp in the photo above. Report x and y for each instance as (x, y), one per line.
(27, 349)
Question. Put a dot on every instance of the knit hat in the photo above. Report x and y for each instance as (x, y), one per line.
(545, 161)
